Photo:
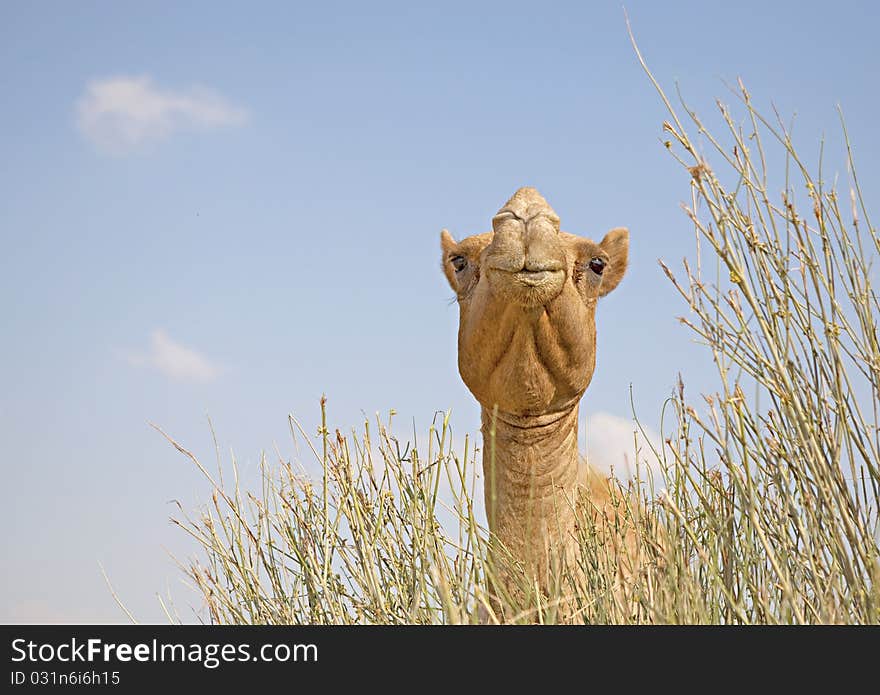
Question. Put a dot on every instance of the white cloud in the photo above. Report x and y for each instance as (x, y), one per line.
(120, 114)
(611, 444)
(174, 360)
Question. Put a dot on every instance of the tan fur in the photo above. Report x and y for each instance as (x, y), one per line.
(527, 297)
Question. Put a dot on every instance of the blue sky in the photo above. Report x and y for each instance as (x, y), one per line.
(227, 211)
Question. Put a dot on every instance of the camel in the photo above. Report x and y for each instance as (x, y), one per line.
(527, 295)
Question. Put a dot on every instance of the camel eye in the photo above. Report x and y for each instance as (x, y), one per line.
(597, 265)
(459, 263)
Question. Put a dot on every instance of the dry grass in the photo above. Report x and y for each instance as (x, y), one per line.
(771, 487)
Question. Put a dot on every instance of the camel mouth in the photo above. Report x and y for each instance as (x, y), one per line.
(536, 278)
(527, 286)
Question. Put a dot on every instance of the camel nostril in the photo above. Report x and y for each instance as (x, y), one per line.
(597, 265)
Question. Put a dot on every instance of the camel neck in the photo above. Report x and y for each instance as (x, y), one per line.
(530, 468)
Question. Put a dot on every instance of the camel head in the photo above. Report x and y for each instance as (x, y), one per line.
(527, 296)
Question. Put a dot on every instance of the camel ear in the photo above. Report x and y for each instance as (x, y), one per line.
(616, 245)
(449, 249)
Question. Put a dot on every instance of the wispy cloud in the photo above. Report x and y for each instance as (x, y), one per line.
(120, 114)
(611, 443)
(174, 360)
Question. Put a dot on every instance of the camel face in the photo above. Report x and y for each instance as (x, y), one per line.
(527, 295)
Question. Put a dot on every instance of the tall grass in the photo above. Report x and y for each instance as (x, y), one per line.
(767, 510)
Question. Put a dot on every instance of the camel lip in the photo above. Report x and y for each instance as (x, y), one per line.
(548, 267)
(534, 278)
(540, 277)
